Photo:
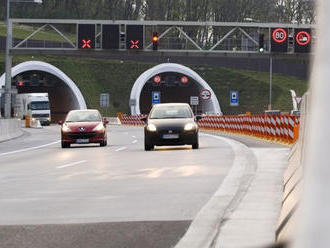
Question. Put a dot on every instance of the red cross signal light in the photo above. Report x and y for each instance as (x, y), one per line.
(135, 37)
(86, 44)
(135, 44)
(86, 36)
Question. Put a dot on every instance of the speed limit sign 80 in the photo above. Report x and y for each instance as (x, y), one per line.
(279, 40)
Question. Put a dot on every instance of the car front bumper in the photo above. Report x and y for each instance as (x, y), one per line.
(75, 137)
(185, 138)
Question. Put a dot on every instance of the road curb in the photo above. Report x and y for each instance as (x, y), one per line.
(206, 226)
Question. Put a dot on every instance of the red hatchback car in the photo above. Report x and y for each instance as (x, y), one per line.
(83, 127)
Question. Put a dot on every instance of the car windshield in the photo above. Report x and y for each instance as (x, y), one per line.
(83, 116)
(171, 112)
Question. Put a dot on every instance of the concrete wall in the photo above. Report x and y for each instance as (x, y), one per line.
(293, 182)
(10, 129)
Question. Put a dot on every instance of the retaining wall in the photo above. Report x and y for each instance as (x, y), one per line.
(292, 182)
(9, 129)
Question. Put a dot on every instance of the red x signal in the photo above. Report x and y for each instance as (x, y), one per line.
(135, 44)
(86, 44)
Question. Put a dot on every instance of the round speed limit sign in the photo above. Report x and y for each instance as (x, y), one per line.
(279, 35)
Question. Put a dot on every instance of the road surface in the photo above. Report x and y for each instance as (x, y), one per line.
(114, 196)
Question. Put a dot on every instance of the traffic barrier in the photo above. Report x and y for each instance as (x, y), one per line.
(278, 128)
(35, 124)
(131, 120)
(10, 129)
(282, 128)
(292, 180)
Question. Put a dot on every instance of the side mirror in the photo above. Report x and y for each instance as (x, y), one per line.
(198, 117)
(144, 119)
(60, 123)
(105, 122)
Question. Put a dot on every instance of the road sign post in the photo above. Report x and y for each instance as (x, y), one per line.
(105, 101)
(234, 99)
(194, 101)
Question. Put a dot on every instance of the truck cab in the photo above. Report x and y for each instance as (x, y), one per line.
(39, 109)
(36, 105)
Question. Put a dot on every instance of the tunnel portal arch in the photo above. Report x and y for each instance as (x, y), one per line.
(77, 100)
(212, 106)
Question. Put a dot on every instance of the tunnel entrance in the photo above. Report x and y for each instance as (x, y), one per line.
(40, 77)
(172, 87)
(168, 83)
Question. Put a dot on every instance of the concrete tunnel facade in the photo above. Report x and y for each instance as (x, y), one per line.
(64, 97)
(137, 97)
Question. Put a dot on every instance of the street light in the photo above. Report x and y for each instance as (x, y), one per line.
(8, 56)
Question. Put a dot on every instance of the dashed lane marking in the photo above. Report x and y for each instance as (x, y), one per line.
(71, 164)
(29, 149)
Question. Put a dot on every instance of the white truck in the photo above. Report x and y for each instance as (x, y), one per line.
(36, 105)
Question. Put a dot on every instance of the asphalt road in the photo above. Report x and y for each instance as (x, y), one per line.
(116, 196)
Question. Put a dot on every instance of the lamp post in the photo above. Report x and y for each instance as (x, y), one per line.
(9, 57)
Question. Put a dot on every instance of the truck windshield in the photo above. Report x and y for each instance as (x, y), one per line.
(39, 106)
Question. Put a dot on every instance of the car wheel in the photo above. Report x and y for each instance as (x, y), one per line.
(103, 143)
(148, 147)
(65, 145)
(195, 145)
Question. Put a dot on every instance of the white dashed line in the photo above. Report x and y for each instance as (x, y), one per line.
(71, 164)
(29, 149)
(134, 137)
(134, 141)
(121, 149)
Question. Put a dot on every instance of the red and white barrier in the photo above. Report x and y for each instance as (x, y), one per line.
(282, 128)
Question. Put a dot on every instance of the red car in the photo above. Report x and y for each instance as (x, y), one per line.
(83, 127)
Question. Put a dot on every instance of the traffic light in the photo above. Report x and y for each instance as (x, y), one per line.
(279, 40)
(303, 40)
(134, 37)
(110, 36)
(155, 40)
(261, 43)
(86, 36)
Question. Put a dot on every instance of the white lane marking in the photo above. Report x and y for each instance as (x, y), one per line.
(134, 141)
(29, 149)
(71, 164)
(134, 137)
(121, 149)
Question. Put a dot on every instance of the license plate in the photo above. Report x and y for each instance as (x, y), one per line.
(82, 141)
(170, 136)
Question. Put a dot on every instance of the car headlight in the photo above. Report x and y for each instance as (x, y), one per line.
(65, 128)
(189, 126)
(99, 128)
(151, 128)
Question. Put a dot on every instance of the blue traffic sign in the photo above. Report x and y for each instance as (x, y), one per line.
(155, 97)
(234, 100)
